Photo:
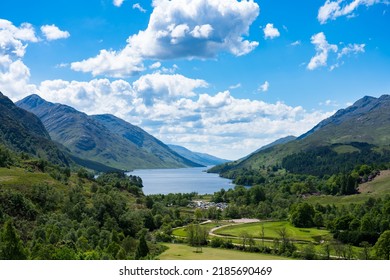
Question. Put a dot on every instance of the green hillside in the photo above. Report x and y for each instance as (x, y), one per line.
(22, 131)
(359, 134)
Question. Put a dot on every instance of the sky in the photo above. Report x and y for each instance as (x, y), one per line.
(223, 77)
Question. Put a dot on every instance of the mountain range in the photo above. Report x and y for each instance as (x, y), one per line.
(200, 158)
(355, 135)
(109, 140)
(103, 138)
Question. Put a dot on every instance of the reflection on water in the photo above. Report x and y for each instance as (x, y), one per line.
(182, 180)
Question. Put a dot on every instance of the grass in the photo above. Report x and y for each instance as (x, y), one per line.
(271, 231)
(344, 149)
(182, 232)
(185, 252)
(19, 178)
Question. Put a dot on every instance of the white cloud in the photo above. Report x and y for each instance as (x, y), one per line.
(25, 32)
(329, 102)
(180, 29)
(111, 63)
(139, 7)
(14, 78)
(155, 65)
(296, 43)
(161, 86)
(264, 87)
(52, 32)
(117, 3)
(351, 48)
(14, 74)
(334, 9)
(270, 31)
(235, 86)
(322, 48)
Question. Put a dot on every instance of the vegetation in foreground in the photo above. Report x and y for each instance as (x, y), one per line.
(51, 212)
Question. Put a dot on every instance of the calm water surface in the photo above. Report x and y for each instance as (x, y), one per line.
(182, 180)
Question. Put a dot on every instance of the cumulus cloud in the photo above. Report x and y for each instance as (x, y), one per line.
(180, 29)
(112, 63)
(161, 86)
(334, 9)
(14, 74)
(139, 7)
(264, 87)
(324, 49)
(25, 32)
(52, 32)
(270, 31)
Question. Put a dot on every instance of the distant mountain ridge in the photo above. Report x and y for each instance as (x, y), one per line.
(200, 158)
(103, 138)
(22, 131)
(363, 126)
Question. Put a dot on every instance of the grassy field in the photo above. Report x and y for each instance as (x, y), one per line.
(271, 231)
(181, 232)
(379, 187)
(185, 252)
(19, 178)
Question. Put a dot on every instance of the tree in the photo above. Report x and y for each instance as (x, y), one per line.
(11, 246)
(142, 248)
(302, 215)
(196, 236)
(382, 246)
(5, 157)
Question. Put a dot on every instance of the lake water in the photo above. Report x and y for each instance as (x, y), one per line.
(182, 180)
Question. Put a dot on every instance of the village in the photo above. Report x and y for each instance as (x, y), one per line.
(206, 205)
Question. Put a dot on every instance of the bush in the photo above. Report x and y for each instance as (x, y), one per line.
(216, 242)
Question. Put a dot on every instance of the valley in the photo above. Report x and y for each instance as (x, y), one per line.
(64, 193)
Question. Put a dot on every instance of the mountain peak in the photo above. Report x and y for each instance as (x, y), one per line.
(33, 100)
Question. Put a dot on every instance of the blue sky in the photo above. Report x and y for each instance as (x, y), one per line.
(223, 77)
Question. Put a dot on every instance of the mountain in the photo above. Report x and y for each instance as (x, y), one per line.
(200, 158)
(355, 135)
(22, 131)
(103, 139)
(145, 141)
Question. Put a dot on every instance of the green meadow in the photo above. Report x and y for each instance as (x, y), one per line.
(185, 252)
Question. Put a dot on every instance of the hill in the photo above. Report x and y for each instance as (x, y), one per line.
(200, 158)
(145, 141)
(102, 139)
(22, 131)
(359, 134)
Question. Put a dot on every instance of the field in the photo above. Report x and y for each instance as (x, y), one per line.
(271, 231)
(19, 178)
(185, 252)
